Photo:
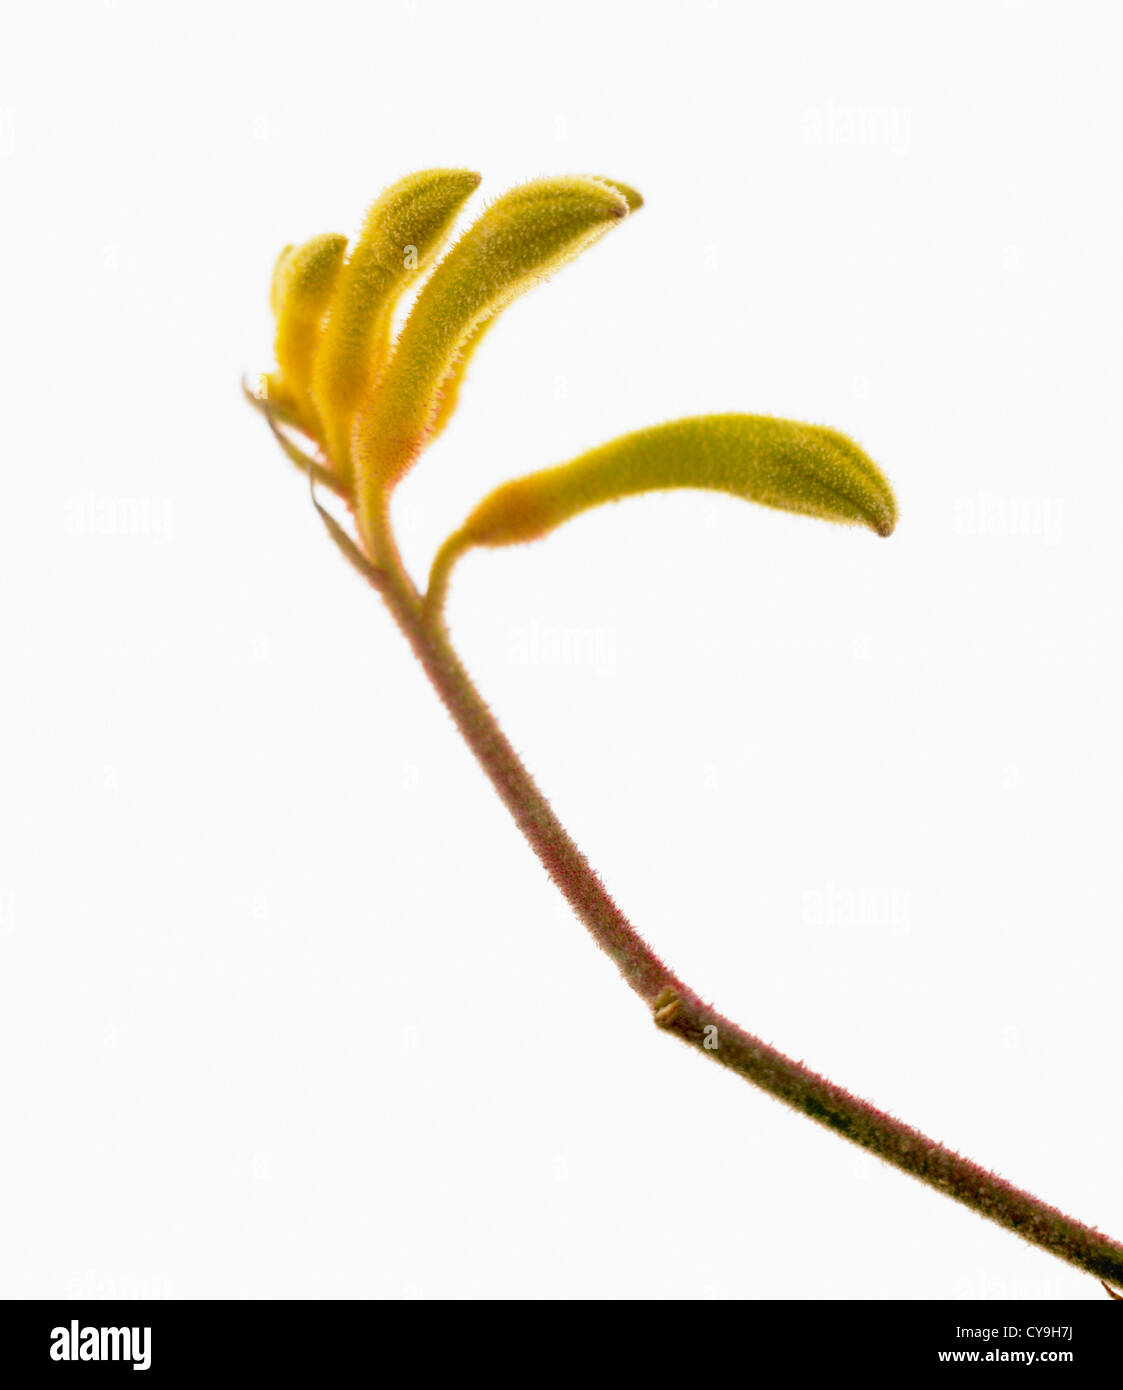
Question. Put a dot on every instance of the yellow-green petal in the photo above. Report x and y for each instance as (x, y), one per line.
(449, 394)
(403, 232)
(305, 281)
(275, 283)
(450, 390)
(792, 467)
(523, 236)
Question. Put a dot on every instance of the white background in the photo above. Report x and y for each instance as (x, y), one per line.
(287, 1006)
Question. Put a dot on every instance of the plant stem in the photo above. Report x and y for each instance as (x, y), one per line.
(676, 1008)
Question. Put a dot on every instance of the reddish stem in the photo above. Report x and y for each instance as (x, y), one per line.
(676, 1008)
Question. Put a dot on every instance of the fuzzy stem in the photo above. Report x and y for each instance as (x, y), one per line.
(676, 1008)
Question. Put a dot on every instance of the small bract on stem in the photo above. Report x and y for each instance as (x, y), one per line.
(367, 404)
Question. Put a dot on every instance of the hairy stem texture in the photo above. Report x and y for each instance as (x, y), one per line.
(675, 1007)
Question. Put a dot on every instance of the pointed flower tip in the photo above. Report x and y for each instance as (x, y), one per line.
(633, 198)
(881, 512)
(878, 514)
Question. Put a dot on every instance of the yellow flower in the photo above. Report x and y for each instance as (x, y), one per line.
(371, 403)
